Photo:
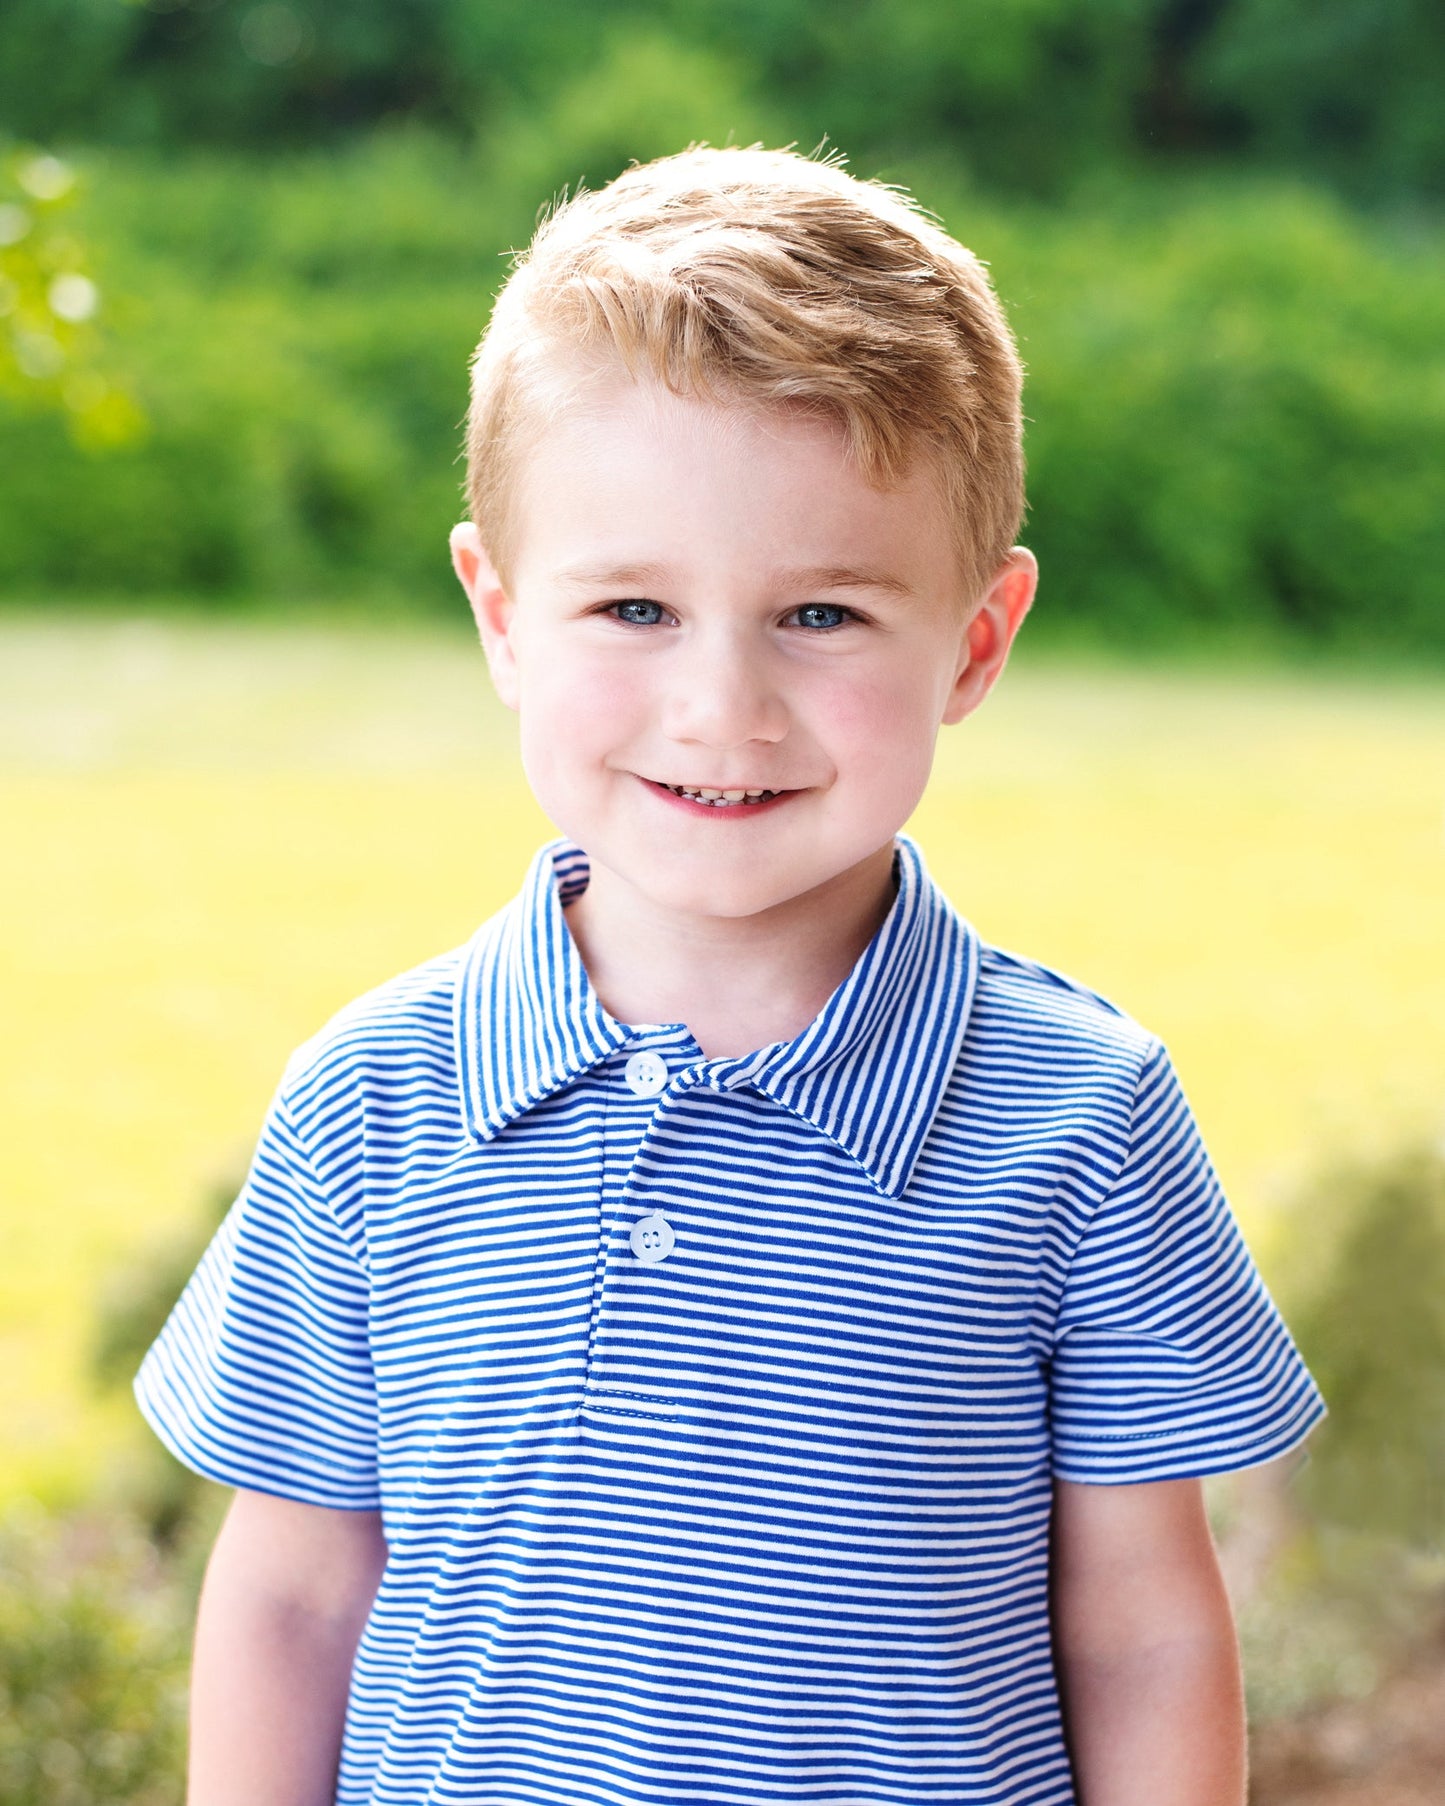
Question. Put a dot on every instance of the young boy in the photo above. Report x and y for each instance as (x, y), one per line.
(726, 1334)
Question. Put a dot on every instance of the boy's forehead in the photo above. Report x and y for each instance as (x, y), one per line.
(635, 480)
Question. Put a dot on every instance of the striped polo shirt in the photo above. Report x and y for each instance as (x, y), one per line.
(713, 1406)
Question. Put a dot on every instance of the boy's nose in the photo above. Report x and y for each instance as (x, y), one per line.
(723, 693)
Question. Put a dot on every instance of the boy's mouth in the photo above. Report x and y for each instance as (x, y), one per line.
(719, 799)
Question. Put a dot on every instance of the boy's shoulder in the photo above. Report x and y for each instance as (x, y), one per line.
(1035, 1005)
(399, 1031)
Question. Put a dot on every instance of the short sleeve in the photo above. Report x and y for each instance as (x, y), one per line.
(262, 1376)
(1169, 1359)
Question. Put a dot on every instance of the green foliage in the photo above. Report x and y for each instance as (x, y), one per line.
(298, 339)
(1372, 1326)
(158, 1492)
(139, 1298)
(1357, 1578)
(1235, 402)
(1027, 93)
(1338, 1612)
(93, 1635)
(646, 97)
(1235, 396)
(1345, 88)
(218, 71)
(1235, 393)
(904, 76)
(50, 353)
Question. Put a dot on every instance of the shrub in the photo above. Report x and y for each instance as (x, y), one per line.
(1234, 392)
(1371, 1324)
(1361, 1578)
(93, 1639)
(172, 1503)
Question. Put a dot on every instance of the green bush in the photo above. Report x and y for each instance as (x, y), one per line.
(171, 1503)
(94, 1634)
(1027, 94)
(1371, 1323)
(1359, 1580)
(1235, 412)
(50, 352)
(1235, 392)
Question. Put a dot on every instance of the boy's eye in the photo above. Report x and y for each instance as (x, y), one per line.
(822, 615)
(636, 613)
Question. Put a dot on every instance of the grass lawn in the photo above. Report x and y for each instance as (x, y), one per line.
(217, 834)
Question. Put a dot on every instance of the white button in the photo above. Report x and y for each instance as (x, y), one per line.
(652, 1237)
(646, 1074)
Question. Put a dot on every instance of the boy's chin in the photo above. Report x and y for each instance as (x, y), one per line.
(733, 888)
(729, 897)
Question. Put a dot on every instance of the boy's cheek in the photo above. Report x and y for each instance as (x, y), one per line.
(883, 738)
(575, 702)
(888, 717)
(574, 731)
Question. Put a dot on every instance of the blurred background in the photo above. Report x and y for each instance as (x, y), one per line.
(250, 766)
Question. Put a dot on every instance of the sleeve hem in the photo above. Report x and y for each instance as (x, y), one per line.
(219, 1466)
(1131, 1459)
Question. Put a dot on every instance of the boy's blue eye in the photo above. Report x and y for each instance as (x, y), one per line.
(822, 614)
(638, 614)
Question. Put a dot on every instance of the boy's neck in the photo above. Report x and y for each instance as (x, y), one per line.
(738, 983)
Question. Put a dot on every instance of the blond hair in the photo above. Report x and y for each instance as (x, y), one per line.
(766, 278)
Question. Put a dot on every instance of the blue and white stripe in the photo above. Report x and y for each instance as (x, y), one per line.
(766, 1519)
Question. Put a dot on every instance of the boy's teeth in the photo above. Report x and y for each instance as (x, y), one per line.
(720, 798)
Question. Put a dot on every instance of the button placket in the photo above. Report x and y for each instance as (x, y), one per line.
(652, 1238)
(627, 1246)
(633, 1365)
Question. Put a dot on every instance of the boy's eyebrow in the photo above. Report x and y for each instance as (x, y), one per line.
(821, 576)
(616, 576)
(839, 576)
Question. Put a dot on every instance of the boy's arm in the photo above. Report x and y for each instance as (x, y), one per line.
(1146, 1650)
(286, 1596)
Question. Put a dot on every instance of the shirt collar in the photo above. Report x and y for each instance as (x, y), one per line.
(869, 1071)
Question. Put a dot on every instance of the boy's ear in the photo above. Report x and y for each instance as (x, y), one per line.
(491, 607)
(991, 630)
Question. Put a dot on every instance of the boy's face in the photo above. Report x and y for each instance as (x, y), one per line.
(704, 598)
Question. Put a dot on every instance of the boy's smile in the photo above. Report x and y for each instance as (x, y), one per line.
(730, 653)
(733, 802)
